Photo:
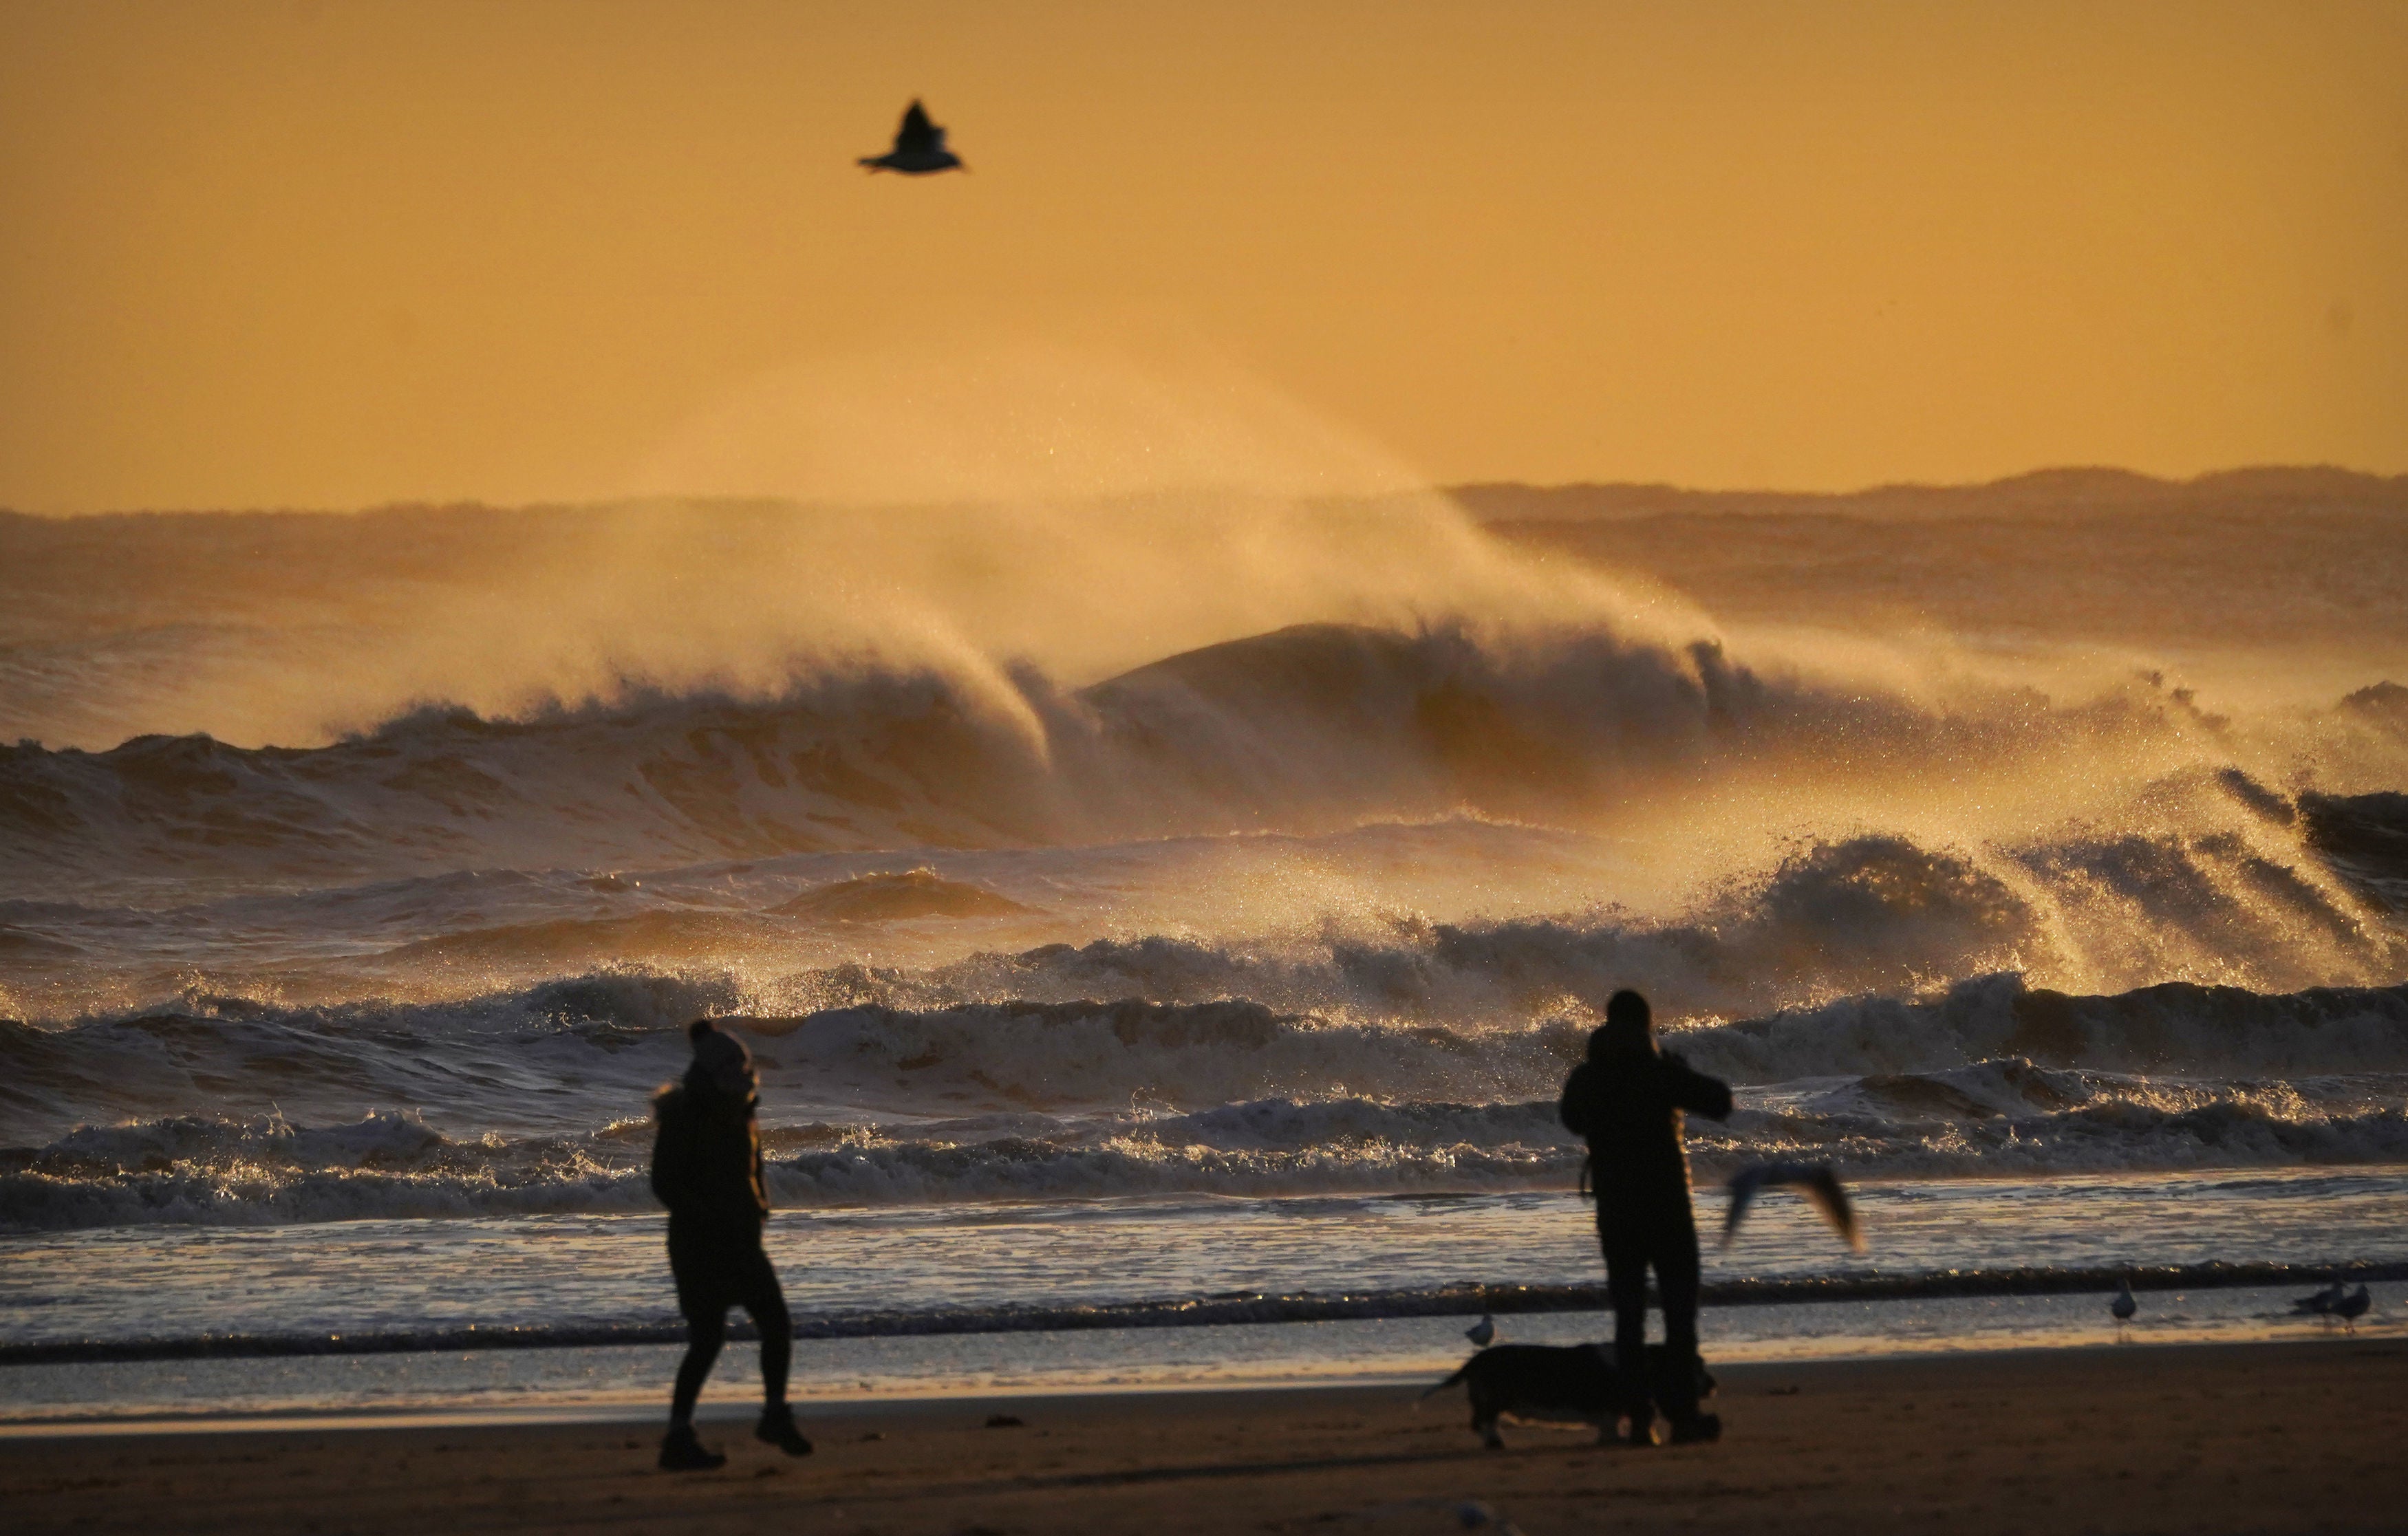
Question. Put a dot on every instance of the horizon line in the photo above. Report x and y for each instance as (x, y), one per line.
(2098, 476)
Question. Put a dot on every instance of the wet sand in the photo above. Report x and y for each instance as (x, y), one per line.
(2143, 1438)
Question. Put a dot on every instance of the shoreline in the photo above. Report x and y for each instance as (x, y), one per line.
(2212, 1437)
(731, 1406)
(619, 1382)
(1503, 1300)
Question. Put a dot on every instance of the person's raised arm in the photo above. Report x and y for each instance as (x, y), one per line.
(1696, 1093)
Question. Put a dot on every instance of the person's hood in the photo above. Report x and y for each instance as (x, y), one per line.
(723, 1067)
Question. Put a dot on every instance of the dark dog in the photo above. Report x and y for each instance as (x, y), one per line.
(1543, 1383)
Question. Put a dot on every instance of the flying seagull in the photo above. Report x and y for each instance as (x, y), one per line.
(919, 147)
(2123, 1306)
(1483, 1332)
(1815, 1181)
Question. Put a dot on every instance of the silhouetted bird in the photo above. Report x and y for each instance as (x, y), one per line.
(2350, 1308)
(2123, 1306)
(919, 147)
(1815, 1181)
(1483, 1332)
(2323, 1301)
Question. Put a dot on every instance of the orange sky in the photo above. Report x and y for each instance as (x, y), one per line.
(337, 254)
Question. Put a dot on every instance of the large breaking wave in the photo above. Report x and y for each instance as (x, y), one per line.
(1308, 729)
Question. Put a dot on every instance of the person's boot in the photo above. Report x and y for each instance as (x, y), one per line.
(777, 1428)
(681, 1452)
(1682, 1384)
(1643, 1424)
(1697, 1429)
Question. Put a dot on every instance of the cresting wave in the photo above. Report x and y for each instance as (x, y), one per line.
(2262, 892)
(1305, 730)
(1049, 1101)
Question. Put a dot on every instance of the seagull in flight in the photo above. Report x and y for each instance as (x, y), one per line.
(2123, 1306)
(1815, 1181)
(919, 147)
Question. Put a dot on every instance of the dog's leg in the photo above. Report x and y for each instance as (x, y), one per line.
(1483, 1420)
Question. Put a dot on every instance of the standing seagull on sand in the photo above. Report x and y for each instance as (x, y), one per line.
(2350, 1308)
(919, 147)
(2123, 1306)
(2323, 1300)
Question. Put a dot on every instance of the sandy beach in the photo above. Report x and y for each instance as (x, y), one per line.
(2254, 1437)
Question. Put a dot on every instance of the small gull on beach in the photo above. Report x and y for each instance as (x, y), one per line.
(1483, 1332)
(2123, 1306)
(2350, 1308)
(2322, 1303)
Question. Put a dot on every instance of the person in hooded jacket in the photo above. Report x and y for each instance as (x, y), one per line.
(1628, 1100)
(707, 1169)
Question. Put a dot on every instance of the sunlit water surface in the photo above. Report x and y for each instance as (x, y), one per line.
(964, 1266)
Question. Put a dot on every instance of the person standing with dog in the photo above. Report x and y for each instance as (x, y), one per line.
(707, 1169)
(1628, 1100)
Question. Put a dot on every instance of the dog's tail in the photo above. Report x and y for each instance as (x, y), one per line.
(1461, 1371)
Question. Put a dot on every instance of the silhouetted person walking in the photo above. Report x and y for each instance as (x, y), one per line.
(1627, 1099)
(707, 1169)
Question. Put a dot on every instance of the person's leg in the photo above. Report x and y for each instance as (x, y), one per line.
(702, 1298)
(1626, 1288)
(1677, 1274)
(767, 1301)
(706, 1331)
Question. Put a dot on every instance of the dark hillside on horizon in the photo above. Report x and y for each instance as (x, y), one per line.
(2070, 492)
(2282, 559)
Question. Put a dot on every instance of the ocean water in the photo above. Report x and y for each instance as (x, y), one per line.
(1227, 989)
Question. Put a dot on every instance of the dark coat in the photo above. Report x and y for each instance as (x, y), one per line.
(1629, 1107)
(707, 1162)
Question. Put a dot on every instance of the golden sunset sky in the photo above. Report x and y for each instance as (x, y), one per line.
(336, 254)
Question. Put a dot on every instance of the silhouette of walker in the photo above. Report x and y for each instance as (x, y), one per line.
(1626, 1100)
(707, 1169)
(919, 147)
